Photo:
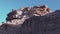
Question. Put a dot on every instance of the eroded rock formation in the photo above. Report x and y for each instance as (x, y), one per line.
(22, 14)
(35, 20)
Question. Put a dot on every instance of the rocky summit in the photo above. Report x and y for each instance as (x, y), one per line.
(20, 15)
(32, 20)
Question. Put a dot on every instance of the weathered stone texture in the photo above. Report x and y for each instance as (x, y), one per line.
(35, 20)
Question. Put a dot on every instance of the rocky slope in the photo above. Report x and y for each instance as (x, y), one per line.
(48, 24)
(36, 20)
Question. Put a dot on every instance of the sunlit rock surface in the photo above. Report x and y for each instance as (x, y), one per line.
(22, 14)
(35, 20)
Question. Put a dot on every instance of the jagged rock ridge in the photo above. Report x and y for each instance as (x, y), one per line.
(19, 16)
(34, 23)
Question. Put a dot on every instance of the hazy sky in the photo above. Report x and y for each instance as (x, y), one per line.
(7, 5)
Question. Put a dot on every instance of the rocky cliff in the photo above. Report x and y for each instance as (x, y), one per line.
(35, 20)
